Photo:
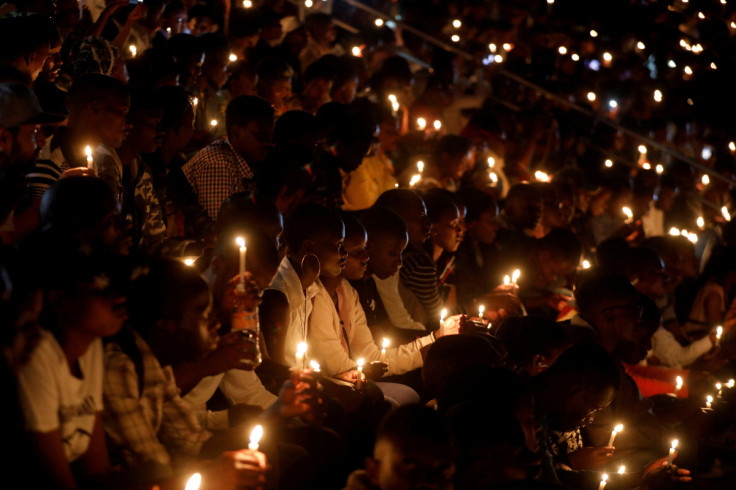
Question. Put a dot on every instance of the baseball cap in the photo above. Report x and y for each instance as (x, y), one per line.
(19, 106)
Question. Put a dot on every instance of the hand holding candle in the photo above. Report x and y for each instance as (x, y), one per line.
(671, 455)
(384, 345)
(91, 166)
(616, 430)
(604, 480)
(301, 356)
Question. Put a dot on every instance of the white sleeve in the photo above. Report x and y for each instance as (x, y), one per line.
(38, 391)
(240, 386)
(400, 359)
(324, 337)
(388, 289)
(203, 391)
(671, 353)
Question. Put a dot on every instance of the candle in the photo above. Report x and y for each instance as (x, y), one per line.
(719, 334)
(315, 366)
(674, 231)
(629, 214)
(437, 124)
(443, 314)
(590, 96)
(586, 264)
(621, 470)
(133, 50)
(420, 166)
(241, 243)
(708, 401)
(541, 176)
(421, 123)
(194, 482)
(255, 437)
(604, 480)
(301, 353)
(386, 343)
(414, 180)
(213, 123)
(725, 213)
(672, 452)
(247, 4)
(356, 51)
(493, 177)
(233, 57)
(506, 280)
(705, 179)
(731, 383)
(701, 222)
(719, 387)
(90, 161)
(378, 22)
(481, 309)
(189, 261)
(615, 431)
(678, 384)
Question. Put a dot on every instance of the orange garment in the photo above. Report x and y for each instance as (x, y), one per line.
(653, 380)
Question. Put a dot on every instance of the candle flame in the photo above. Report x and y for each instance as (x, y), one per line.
(133, 50)
(194, 482)
(506, 280)
(456, 23)
(213, 123)
(618, 428)
(437, 124)
(189, 262)
(609, 163)
(443, 314)
(315, 366)
(247, 4)
(414, 180)
(301, 348)
(88, 154)
(420, 166)
(642, 149)
(719, 386)
(692, 237)
(516, 275)
(541, 176)
(386, 343)
(378, 22)
(701, 222)
(255, 435)
(709, 399)
(481, 309)
(233, 57)
(591, 96)
(361, 361)
(392, 98)
(356, 51)
(725, 213)
(604, 477)
(621, 469)
(678, 382)
(586, 264)
(421, 123)
(675, 442)
(493, 177)
(674, 231)
(240, 241)
(491, 162)
(659, 169)
(731, 383)
(705, 179)
(719, 332)
(627, 211)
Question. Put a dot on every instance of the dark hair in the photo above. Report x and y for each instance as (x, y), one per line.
(246, 108)
(526, 337)
(76, 203)
(484, 384)
(603, 287)
(453, 145)
(307, 221)
(214, 45)
(93, 87)
(609, 253)
(273, 69)
(562, 243)
(397, 199)
(380, 221)
(287, 168)
(476, 202)
(244, 211)
(412, 422)
(316, 21)
(24, 34)
(637, 260)
(143, 99)
(353, 227)
(295, 126)
(320, 69)
(439, 202)
(176, 102)
(589, 365)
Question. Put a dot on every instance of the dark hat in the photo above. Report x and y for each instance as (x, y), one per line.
(19, 106)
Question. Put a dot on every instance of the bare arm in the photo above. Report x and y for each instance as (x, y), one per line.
(95, 462)
(49, 451)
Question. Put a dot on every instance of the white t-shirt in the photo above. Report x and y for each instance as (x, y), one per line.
(54, 399)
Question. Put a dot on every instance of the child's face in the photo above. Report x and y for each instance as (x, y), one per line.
(426, 466)
(417, 224)
(101, 314)
(357, 259)
(329, 247)
(385, 254)
(446, 233)
(198, 333)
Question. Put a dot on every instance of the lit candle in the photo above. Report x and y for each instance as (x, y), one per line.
(456, 23)
(455, 38)
(189, 261)
(241, 243)
(705, 179)
(709, 401)
(385, 344)
(301, 355)
(443, 314)
(378, 22)
(194, 482)
(493, 177)
(591, 96)
(515, 277)
(608, 163)
(719, 387)
(420, 166)
(541, 176)
(233, 57)
(315, 366)
(586, 264)
(481, 310)
(674, 231)
(421, 123)
(491, 162)
(133, 50)
(213, 123)
(701, 222)
(731, 383)
(437, 124)
(506, 280)
(255, 437)
(719, 334)
(725, 213)
(415, 180)
(629, 214)
(615, 431)
(90, 161)
(356, 51)
(678, 384)
(604, 480)
(361, 361)
(247, 4)
(672, 452)
(659, 169)
(621, 470)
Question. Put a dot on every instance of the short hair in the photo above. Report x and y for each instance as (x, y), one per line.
(274, 69)
(610, 251)
(213, 44)
(143, 99)
(306, 221)
(412, 423)
(589, 365)
(453, 145)
(244, 211)
(293, 125)
(175, 102)
(526, 337)
(183, 46)
(23, 34)
(316, 21)
(246, 108)
(639, 259)
(382, 222)
(561, 243)
(353, 227)
(603, 287)
(93, 87)
(287, 168)
(476, 203)
(397, 199)
(321, 69)
(76, 203)
(438, 202)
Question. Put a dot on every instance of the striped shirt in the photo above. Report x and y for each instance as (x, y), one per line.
(419, 275)
(55, 157)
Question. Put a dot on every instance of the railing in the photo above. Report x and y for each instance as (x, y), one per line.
(522, 81)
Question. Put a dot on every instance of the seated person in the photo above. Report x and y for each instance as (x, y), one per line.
(412, 450)
(60, 387)
(152, 431)
(533, 344)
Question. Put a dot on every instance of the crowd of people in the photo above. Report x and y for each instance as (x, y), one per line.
(317, 245)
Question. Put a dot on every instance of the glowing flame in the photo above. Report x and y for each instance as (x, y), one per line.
(386, 342)
(420, 166)
(194, 482)
(240, 241)
(421, 123)
(414, 180)
(315, 366)
(255, 437)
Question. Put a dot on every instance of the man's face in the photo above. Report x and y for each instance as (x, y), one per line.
(196, 329)
(329, 248)
(446, 232)
(36, 60)
(253, 141)
(146, 134)
(214, 69)
(417, 223)
(485, 227)
(619, 320)
(24, 147)
(52, 65)
(110, 119)
(385, 254)
(580, 406)
(426, 466)
(357, 259)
